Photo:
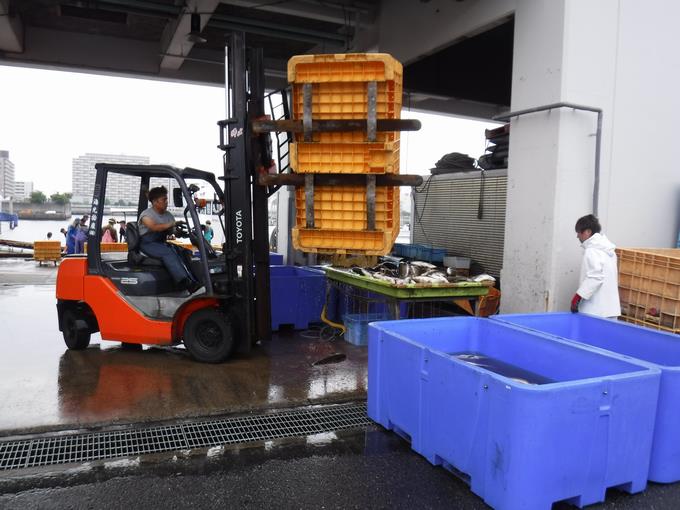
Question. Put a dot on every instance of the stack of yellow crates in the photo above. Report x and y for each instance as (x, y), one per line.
(340, 91)
(47, 251)
(649, 287)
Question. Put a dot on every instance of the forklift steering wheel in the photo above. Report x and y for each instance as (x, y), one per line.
(182, 229)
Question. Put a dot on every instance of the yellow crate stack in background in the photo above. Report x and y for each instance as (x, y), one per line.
(649, 287)
(47, 251)
(340, 91)
(110, 247)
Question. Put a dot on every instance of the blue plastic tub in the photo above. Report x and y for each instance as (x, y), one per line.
(399, 250)
(297, 296)
(521, 446)
(357, 326)
(437, 255)
(275, 259)
(411, 251)
(423, 252)
(655, 347)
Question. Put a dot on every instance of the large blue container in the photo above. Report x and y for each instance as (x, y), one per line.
(656, 347)
(520, 446)
(275, 259)
(297, 295)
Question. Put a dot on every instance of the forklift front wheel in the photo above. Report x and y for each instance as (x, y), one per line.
(208, 336)
(75, 329)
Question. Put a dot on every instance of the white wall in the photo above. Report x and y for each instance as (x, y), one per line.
(617, 55)
(643, 191)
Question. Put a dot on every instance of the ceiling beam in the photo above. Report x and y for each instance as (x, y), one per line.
(11, 30)
(174, 41)
(359, 13)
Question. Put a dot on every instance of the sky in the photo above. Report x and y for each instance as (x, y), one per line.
(47, 118)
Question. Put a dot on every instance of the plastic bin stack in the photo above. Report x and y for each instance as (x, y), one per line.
(649, 287)
(297, 296)
(342, 88)
(420, 252)
(551, 420)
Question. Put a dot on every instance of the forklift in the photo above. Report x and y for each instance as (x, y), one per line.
(131, 298)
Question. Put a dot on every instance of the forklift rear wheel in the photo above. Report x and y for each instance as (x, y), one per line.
(208, 336)
(75, 330)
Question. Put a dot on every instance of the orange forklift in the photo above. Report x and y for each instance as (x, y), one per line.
(130, 297)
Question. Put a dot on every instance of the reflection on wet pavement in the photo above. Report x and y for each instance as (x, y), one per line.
(43, 385)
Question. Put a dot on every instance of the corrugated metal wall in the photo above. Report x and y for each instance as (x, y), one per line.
(447, 208)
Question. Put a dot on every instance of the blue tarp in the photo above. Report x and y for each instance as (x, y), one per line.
(13, 219)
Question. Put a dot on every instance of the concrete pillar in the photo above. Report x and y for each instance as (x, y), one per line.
(564, 51)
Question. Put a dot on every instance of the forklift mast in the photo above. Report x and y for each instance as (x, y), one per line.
(246, 155)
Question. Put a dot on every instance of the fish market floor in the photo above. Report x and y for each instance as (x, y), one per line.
(46, 387)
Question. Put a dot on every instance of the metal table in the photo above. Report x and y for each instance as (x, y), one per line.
(415, 292)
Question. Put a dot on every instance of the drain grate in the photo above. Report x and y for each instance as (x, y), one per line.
(91, 446)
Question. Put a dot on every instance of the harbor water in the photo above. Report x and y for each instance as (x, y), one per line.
(36, 230)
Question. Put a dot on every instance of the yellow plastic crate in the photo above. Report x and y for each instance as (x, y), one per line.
(342, 242)
(339, 90)
(344, 67)
(649, 286)
(345, 158)
(47, 251)
(340, 221)
(111, 247)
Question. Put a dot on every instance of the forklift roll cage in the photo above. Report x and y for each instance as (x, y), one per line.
(146, 173)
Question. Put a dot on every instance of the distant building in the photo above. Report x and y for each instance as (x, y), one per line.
(6, 175)
(23, 190)
(120, 188)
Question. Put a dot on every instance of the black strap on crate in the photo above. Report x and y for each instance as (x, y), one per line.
(307, 111)
(309, 200)
(370, 202)
(371, 120)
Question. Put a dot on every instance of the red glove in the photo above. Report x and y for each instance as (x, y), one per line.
(574, 303)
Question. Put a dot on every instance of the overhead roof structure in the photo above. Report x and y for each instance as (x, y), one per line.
(153, 37)
(156, 39)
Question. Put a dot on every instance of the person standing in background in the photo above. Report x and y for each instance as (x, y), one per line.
(109, 234)
(598, 292)
(121, 231)
(209, 233)
(81, 235)
(71, 237)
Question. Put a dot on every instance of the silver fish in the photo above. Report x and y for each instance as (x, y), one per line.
(384, 278)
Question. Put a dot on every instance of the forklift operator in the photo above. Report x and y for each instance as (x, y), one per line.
(154, 226)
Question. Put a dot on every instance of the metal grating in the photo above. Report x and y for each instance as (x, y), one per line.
(76, 448)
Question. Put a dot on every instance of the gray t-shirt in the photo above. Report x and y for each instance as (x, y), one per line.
(166, 217)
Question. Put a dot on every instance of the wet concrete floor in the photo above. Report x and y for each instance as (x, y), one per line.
(369, 468)
(44, 386)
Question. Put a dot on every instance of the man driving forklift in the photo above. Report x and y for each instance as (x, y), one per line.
(155, 224)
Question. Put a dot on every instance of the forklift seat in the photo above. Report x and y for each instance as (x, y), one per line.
(135, 256)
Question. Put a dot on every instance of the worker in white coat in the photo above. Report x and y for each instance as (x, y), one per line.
(598, 292)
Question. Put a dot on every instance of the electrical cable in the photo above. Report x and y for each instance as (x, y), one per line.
(425, 188)
(335, 325)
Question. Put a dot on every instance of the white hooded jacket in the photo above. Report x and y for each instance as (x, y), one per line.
(599, 286)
